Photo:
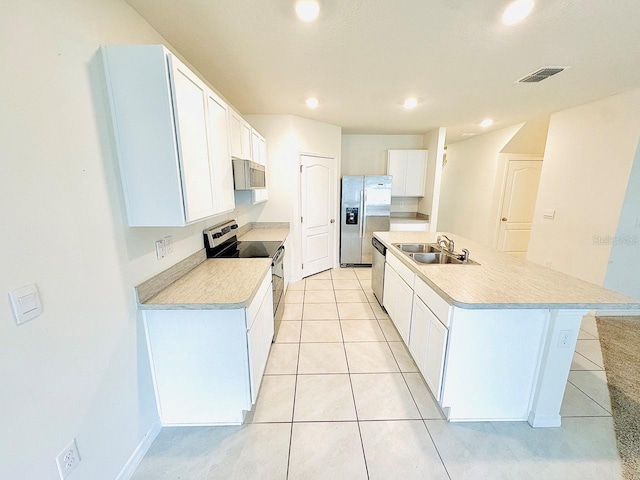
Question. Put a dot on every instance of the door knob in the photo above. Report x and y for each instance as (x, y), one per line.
(333, 220)
(504, 219)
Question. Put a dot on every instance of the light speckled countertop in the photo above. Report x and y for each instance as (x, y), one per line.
(265, 235)
(217, 283)
(503, 281)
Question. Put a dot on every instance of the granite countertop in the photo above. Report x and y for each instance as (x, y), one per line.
(503, 281)
(265, 235)
(216, 283)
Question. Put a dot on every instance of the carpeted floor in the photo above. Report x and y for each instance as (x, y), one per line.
(620, 343)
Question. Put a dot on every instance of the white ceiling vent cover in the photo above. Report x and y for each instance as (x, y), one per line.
(541, 74)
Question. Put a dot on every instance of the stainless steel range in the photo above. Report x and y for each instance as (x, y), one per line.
(221, 241)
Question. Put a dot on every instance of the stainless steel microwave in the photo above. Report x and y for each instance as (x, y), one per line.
(248, 175)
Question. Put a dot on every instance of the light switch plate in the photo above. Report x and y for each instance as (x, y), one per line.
(26, 303)
(549, 214)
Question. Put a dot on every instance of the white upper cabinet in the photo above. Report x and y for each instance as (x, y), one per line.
(409, 171)
(240, 137)
(172, 138)
(259, 148)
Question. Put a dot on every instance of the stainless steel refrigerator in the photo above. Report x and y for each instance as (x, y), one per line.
(366, 206)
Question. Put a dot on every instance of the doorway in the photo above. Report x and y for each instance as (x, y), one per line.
(518, 201)
(318, 213)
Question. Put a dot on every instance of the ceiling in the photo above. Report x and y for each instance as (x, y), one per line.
(362, 58)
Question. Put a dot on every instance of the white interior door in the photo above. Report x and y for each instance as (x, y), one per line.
(518, 204)
(318, 214)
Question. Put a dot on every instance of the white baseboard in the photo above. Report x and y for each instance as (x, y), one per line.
(618, 313)
(138, 454)
(544, 421)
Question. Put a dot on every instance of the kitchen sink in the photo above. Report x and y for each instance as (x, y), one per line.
(418, 247)
(439, 259)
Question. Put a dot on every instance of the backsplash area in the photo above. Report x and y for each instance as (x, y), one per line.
(404, 204)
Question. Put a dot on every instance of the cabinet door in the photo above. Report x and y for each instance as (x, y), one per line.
(255, 147)
(256, 356)
(259, 196)
(403, 308)
(397, 168)
(221, 167)
(245, 140)
(190, 100)
(436, 347)
(391, 280)
(419, 336)
(235, 131)
(263, 151)
(416, 173)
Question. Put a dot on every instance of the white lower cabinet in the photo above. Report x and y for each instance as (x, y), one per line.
(398, 301)
(207, 365)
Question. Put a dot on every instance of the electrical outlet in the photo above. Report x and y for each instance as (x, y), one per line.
(564, 338)
(68, 459)
(161, 251)
(168, 244)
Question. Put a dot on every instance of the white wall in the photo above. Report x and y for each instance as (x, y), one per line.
(470, 185)
(433, 141)
(289, 136)
(587, 163)
(624, 261)
(81, 369)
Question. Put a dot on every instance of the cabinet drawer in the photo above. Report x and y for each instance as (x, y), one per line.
(434, 301)
(401, 269)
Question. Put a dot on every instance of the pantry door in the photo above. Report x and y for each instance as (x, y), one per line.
(518, 204)
(318, 213)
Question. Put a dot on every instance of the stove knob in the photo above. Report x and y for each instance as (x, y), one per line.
(217, 235)
(234, 227)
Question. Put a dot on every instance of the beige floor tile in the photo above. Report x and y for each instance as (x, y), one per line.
(583, 335)
(361, 331)
(590, 349)
(589, 325)
(474, 451)
(422, 396)
(326, 275)
(321, 331)
(583, 449)
(253, 451)
(594, 384)
(403, 357)
(316, 358)
(363, 273)
(283, 359)
(343, 274)
(319, 296)
(383, 396)
(294, 296)
(577, 404)
(371, 297)
(402, 450)
(346, 285)
(370, 357)
(296, 286)
(320, 311)
(275, 401)
(378, 311)
(365, 283)
(351, 296)
(389, 331)
(289, 332)
(355, 311)
(292, 311)
(581, 363)
(319, 285)
(326, 450)
(324, 398)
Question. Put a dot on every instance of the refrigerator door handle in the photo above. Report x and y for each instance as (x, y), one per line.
(364, 213)
(361, 212)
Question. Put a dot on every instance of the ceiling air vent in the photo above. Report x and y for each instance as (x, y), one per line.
(541, 74)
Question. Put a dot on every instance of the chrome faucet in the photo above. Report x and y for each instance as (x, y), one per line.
(445, 243)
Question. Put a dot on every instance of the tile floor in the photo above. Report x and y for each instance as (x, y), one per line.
(342, 399)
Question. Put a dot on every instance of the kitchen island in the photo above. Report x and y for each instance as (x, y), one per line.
(494, 340)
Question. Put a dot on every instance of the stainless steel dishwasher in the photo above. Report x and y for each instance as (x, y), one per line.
(377, 269)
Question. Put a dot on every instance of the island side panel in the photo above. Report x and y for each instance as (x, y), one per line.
(555, 364)
(200, 365)
(492, 362)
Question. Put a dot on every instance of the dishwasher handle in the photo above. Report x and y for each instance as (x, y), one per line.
(377, 244)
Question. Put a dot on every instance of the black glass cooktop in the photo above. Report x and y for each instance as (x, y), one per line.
(249, 250)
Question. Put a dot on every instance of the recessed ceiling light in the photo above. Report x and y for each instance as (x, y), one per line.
(312, 102)
(487, 122)
(410, 103)
(517, 11)
(307, 10)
